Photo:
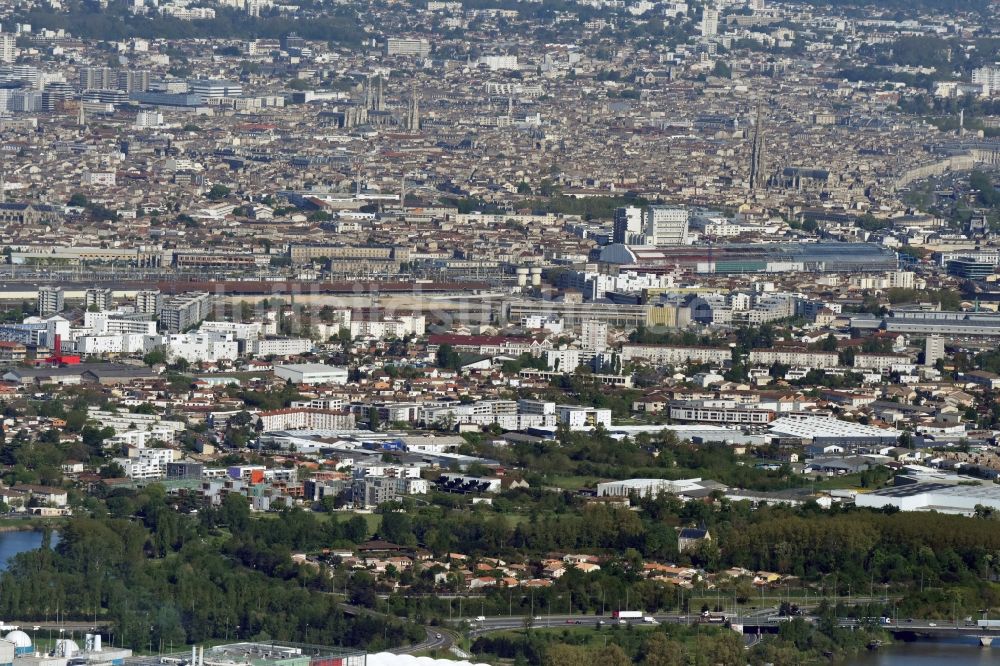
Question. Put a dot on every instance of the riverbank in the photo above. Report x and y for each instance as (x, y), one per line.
(28, 524)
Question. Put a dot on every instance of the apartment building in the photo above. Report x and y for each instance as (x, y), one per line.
(306, 418)
(794, 357)
(672, 355)
(181, 312)
(281, 347)
(720, 411)
(882, 362)
(400, 46)
(50, 300)
(101, 299)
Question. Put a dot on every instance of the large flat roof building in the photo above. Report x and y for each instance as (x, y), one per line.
(311, 373)
(826, 430)
(825, 257)
(940, 497)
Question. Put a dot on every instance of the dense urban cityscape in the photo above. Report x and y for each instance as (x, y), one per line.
(541, 332)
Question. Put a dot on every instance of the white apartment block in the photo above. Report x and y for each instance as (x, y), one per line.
(332, 404)
(564, 360)
(282, 347)
(299, 418)
(579, 417)
(594, 335)
(147, 463)
(709, 22)
(505, 413)
(891, 280)
(988, 78)
(720, 411)
(665, 225)
(368, 469)
(498, 62)
(99, 179)
(238, 330)
(148, 301)
(381, 329)
(797, 358)
(543, 322)
(407, 47)
(670, 355)
(181, 312)
(141, 439)
(882, 362)
(8, 48)
(195, 347)
(118, 323)
(95, 345)
(122, 421)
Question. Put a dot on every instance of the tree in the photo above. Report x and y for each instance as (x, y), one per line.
(155, 357)
(112, 471)
(447, 357)
(374, 420)
(218, 192)
(235, 512)
(610, 655)
(396, 527)
(565, 655)
(661, 651)
(78, 200)
(722, 70)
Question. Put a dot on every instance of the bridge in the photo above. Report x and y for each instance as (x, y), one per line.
(932, 629)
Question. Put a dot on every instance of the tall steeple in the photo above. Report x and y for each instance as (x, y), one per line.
(757, 154)
(413, 118)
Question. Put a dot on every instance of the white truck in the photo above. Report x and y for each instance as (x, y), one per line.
(626, 615)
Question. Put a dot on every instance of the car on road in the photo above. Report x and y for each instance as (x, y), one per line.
(622, 621)
(437, 636)
(931, 624)
(480, 618)
(538, 617)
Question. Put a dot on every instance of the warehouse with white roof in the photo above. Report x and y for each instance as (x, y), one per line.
(822, 430)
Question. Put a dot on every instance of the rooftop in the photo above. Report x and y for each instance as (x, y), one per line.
(812, 427)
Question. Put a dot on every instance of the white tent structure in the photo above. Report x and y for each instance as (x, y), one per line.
(389, 659)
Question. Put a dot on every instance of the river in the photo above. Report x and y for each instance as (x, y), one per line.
(948, 652)
(12, 543)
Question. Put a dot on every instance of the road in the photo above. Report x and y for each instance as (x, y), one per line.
(766, 618)
(29, 625)
(438, 638)
(507, 623)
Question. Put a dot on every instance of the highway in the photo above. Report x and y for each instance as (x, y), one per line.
(438, 638)
(765, 620)
(76, 626)
(755, 621)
